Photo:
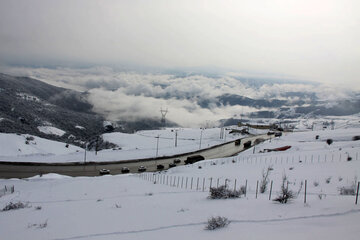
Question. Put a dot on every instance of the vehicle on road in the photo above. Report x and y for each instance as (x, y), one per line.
(172, 165)
(177, 161)
(104, 171)
(194, 159)
(247, 144)
(237, 142)
(141, 169)
(278, 134)
(125, 170)
(160, 167)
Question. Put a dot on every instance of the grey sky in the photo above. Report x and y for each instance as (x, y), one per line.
(315, 40)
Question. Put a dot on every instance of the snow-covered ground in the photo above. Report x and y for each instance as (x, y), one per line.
(51, 130)
(142, 144)
(175, 204)
(27, 146)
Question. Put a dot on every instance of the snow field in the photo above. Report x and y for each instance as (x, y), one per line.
(146, 206)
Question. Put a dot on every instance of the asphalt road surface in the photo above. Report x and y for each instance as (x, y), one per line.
(24, 170)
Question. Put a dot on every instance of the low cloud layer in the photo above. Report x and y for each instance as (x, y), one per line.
(120, 95)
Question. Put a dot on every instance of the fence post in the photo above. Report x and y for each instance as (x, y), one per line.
(271, 184)
(210, 183)
(178, 182)
(245, 187)
(197, 185)
(217, 184)
(182, 181)
(235, 186)
(191, 183)
(305, 191)
(357, 193)
(203, 184)
(257, 185)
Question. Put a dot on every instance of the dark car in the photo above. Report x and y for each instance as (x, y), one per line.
(141, 169)
(172, 165)
(237, 142)
(104, 171)
(125, 170)
(160, 167)
(247, 144)
(270, 133)
(278, 134)
(177, 161)
(194, 159)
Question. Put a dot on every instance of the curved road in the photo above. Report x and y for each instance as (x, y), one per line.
(24, 170)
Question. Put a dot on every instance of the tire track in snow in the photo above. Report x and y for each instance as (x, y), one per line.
(353, 211)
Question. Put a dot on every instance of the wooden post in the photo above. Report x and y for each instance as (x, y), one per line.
(305, 191)
(271, 184)
(203, 184)
(210, 182)
(178, 182)
(217, 185)
(257, 185)
(357, 193)
(182, 180)
(191, 183)
(186, 182)
(235, 185)
(197, 184)
(245, 187)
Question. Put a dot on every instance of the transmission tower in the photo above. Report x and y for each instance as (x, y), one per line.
(163, 114)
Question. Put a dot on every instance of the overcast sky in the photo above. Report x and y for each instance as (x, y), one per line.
(316, 40)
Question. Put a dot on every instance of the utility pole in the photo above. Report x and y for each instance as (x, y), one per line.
(176, 138)
(85, 154)
(157, 145)
(200, 138)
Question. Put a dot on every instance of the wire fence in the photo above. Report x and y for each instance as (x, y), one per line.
(7, 190)
(283, 158)
(250, 188)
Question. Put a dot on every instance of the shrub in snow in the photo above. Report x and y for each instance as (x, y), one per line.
(286, 194)
(222, 193)
(349, 190)
(264, 179)
(316, 183)
(328, 180)
(329, 141)
(14, 206)
(38, 225)
(217, 222)
(30, 138)
(38, 208)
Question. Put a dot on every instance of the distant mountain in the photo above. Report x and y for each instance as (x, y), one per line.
(30, 106)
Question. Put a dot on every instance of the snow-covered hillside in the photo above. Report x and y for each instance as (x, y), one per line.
(24, 146)
(174, 204)
(142, 144)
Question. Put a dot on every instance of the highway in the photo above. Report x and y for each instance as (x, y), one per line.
(24, 170)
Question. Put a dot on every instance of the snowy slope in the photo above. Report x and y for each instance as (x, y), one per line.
(141, 144)
(173, 204)
(13, 145)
